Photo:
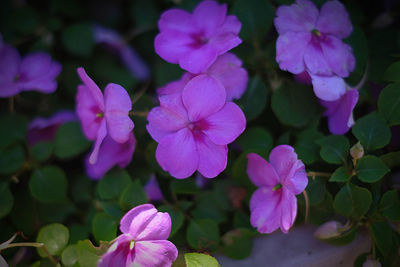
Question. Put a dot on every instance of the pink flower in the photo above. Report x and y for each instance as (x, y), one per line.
(312, 40)
(45, 129)
(143, 240)
(193, 128)
(111, 153)
(36, 71)
(194, 41)
(274, 205)
(227, 69)
(153, 190)
(103, 115)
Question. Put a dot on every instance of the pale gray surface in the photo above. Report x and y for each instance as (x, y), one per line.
(299, 248)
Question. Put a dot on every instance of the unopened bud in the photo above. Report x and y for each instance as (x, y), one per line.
(328, 230)
(372, 263)
(357, 151)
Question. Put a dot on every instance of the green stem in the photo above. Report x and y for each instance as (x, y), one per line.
(32, 244)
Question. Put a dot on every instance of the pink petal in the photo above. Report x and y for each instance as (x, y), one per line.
(231, 25)
(290, 49)
(87, 110)
(288, 208)
(212, 157)
(136, 215)
(298, 17)
(172, 45)
(177, 20)
(265, 210)
(117, 254)
(117, 106)
(284, 160)
(315, 60)
(158, 253)
(203, 96)
(199, 59)
(153, 190)
(34, 65)
(208, 16)
(338, 55)
(9, 68)
(175, 86)
(110, 154)
(334, 20)
(226, 125)
(328, 88)
(298, 181)
(260, 172)
(46, 82)
(228, 70)
(176, 153)
(99, 140)
(92, 87)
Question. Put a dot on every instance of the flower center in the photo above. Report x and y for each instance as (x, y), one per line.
(100, 115)
(316, 32)
(131, 245)
(277, 187)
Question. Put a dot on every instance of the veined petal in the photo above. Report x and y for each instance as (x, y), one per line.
(260, 172)
(288, 208)
(157, 253)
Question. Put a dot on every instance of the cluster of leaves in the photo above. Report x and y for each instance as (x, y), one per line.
(45, 193)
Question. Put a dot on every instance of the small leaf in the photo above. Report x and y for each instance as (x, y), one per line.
(49, 184)
(340, 175)
(104, 227)
(391, 159)
(177, 218)
(390, 205)
(203, 234)
(42, 151)
(371, 169)
(69, 141)
(113, 183)
(316, 190)
(186, 187)
(306, 147)
(334, 148)
(238, 243)
(88, 255)
(78, 39)
(372, 131)
(11, 159)
(254, 99)
(6, 199)
(54, 237)
(13, 129)
(389, 103)
(352, 201)
(70, 255)
(200, 260)
(382, 234)
(255, 138)
(392, 73)
(133, 196)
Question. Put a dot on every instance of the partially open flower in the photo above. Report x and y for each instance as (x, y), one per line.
(328, 230)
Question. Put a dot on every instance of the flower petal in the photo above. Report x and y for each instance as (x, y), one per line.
(177, 20)
(101, 134)
(199, 59)
(9, 68)
(315, 60)
(334, 20)
(338, 55)
(290, 49)
(298, 17)
(117, 254)
(157, 253)
(212, 157)
(176, 153)
(260, 172)
(46, 82)
(172, 45)
(226, 125)
(329, 88)
(265, 212)
(34, 65)
(153, 190)
(138, 215)
(284, 160)
(208, 16)
(92, 87)
(203, 96)
(117, 106)
(298, 181)
(288, 208)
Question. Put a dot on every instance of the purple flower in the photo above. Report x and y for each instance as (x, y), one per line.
(103, 115)
(45, 129)
(193, 128)
(194, 41)
(227, 69)
(340, 112)
(143, 240)
(153, 190)
(36, 71)
(111, 153)
(311, 40)
(274, 205)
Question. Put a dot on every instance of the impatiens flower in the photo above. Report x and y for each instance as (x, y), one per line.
(328, 230)
(45, 129)
(36, 71)
(227, 69)
(193, 128)
(194, 41)
(340, 112)
(103, 115)
(129, 57)
(312, 40)
(274, 205)
(111, 153)
(153, 190)
(143, 240)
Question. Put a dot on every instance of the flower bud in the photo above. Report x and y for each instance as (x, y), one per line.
(371, 263)
(328, 230)
(357, 151)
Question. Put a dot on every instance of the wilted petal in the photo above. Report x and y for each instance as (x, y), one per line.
(265, 212)
(290, 49)
(334, 20)
(260, 172)
(212, 157)
(288, 207)
(209, 15)
(328, 88)
(176, 153)
(338, 55)
(157, 253)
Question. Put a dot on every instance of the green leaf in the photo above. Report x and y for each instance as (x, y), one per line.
(177, 218)
(203, 234)
(6, 199)
(392, 74)
(13, 129)
(352, 201)
(70, 141)
(391, 159)
(104, 227)
(42, 151)
(389, 103)
(254, 99)
(133, 196)
(306, 147)
(11, 159)
(256, 17)
(255, 139)
(25, 20)
(49, 184)
(371, 131)
(382, 234)
(88, 255)
(78, 39)
(207, 208)
(371, 169)
(54, 237)
(145, 14)
(186, 187)
(340, 175)
(294, 105)
(316, 190)
(238, 243)
(69, 255)
(113, 183)
(200, 260)
(334, 148)
(390, 205)
(239, 171)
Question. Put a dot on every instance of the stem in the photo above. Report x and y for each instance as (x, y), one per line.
(140, 93)
(314, 174)
(36, 245)
(307, 205)
(139, 113)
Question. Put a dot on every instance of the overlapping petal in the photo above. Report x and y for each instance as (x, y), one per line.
(260, 172)
(338, 55)
(92, 87)
(199, 59)
(212, 157)
(209, 15)
(334, 20)
(265, 213)
(290, 50)
(157, 253)
(328, 88)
